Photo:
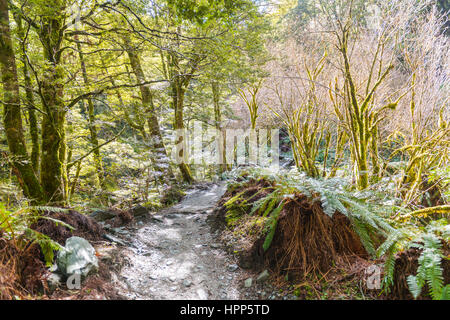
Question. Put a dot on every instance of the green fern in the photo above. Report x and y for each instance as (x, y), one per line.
(334, 195)
(48, 246)
(429, 271)
(17, 223)
(272, 226)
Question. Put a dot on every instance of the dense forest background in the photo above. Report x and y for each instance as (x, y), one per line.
(95, 93)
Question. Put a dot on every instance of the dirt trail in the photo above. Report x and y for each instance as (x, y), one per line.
(175, 255)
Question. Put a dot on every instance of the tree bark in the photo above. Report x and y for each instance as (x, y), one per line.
(181, 145)
(34, 128)
(163, 172)
(52, 156)
(21, 163)
(222, 151)
(92, 127)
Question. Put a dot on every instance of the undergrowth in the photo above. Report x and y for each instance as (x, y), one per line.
(334, 195)
(375, 215)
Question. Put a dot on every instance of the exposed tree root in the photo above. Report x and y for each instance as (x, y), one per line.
(85, 227)
(21, 269)
(306, 239)
(406, 264)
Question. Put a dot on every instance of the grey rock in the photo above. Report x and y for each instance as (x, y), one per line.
(102, 215)
(158, 219)
(54, 281)
(111, 238)
(139, 211)
(263, 276)
(120, 230)
(215, 245)
(248, 283)
(232, 267)
(202, 294)
(77, 257)
(187, 283)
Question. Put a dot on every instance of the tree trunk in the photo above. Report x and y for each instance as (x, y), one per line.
(181, 145)
(222, 151)
(34, 128)
(163, 172)
(52, 157)
(21, 163)
(92, 128)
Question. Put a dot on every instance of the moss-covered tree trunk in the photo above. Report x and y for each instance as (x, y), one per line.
(362, 118)
(180, 141)
(222, 151)
(53, 176)
(92, 127)
(163, 172)
(20, 160)
(33, 123)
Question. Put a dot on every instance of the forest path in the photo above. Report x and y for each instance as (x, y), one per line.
(175, 254)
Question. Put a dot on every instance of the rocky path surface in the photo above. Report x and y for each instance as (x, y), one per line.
(175, 255)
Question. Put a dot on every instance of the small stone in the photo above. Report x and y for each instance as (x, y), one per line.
(54, 281)
(102, 215)
(215, 245)
(232, 267)
(187, 283)
(138, 211)
(158, 219)
(140, 223)
(263, 276)
(153, 277)
(169, 262)
(202, 294)
(114, 239)
(248, 283)
(173, 288)
(172, 278)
